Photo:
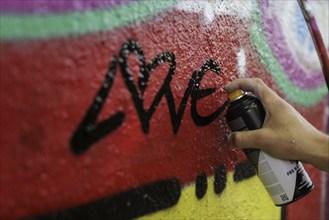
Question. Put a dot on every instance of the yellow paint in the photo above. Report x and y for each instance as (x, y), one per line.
(244, 200)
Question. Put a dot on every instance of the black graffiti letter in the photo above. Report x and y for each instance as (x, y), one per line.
(132, 46)
(88, 132)
(176, 118)
(198, 94)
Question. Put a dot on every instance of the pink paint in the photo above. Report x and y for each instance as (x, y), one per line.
(55, 6)
(276, 40)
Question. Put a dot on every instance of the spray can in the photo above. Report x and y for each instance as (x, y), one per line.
(285, 180)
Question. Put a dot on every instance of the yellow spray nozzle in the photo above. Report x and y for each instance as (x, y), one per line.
(236, 94)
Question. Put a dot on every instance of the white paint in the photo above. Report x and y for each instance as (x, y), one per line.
(241, 62)
(208, 12)
(303, 50)
(212, 8)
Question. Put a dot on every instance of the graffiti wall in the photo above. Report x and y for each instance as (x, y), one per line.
(115, 109)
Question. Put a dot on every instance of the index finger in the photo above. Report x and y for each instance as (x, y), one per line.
(254, 85)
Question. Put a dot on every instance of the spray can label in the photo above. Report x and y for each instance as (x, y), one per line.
(285, 180)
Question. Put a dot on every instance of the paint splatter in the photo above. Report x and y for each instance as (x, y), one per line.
(210, 9)
(220, 179)
(241, 64)
(201, 185)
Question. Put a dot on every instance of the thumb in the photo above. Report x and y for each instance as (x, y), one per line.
(248, 139)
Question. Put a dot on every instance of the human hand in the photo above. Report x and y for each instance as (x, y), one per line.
(285, 133)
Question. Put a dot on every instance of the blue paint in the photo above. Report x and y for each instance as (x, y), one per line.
(302, 30)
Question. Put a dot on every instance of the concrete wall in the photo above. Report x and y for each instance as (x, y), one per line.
(115, 109)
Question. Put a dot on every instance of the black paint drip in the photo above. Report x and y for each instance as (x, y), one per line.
(201, 185)
(89, 132)
(243, 170)
(131, 204)
(220, 179)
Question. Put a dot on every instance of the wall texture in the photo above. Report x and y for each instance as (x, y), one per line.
(115, 109)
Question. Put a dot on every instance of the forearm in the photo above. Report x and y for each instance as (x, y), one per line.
(318, 152)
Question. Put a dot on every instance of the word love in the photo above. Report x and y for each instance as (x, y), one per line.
(89, 132)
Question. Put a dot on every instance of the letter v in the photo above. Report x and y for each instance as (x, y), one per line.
(88, 132)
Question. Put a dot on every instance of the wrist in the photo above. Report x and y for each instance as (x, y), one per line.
(318, 152)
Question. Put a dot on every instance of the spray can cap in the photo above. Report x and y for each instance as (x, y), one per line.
(235, 95)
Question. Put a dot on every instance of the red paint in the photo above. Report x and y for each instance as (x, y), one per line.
(47, 85)
(310, 206)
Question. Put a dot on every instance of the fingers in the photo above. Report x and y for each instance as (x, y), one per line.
(254, 85)
(248, 139)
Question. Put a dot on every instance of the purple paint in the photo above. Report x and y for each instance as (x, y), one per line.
(280, 49)
(55, 6)
(314, 25)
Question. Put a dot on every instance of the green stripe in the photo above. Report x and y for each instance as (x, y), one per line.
(300, 96)
(56, 25)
